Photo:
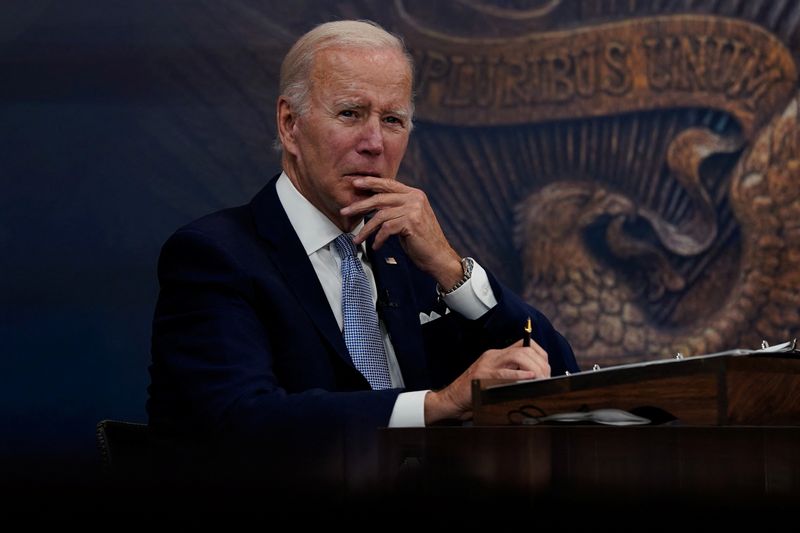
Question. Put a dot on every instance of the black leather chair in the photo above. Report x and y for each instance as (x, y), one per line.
(133, 451)
(125, 449)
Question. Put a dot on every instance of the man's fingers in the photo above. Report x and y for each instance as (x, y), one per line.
(525, 358)
(533, 364)
(379, 184)
(396, 223)
(510, 373)
(362, 207)
(534, 345)
(539, 350)
(376, 223)
(386, 193)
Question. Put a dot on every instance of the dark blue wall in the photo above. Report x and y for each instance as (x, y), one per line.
(119, 121)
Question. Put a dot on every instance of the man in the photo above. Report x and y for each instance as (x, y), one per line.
(254, 332)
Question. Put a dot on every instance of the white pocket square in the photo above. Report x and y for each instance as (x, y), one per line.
(424, 318)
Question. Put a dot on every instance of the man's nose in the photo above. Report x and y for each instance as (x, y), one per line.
(371, 141)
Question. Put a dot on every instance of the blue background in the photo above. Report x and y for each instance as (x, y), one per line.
(118, 123)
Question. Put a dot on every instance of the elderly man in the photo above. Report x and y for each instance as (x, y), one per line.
(333, 297)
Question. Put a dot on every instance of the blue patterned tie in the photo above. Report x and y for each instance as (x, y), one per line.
(362, 334)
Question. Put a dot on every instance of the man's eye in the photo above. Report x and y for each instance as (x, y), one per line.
(347, 113)
(393, 120)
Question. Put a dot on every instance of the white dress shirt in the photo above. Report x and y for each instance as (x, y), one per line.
(317, 233)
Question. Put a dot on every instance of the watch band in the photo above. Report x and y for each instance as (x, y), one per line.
(466, 264)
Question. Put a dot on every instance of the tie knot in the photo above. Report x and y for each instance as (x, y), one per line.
(345, 246)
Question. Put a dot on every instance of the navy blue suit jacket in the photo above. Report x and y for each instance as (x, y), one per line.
(244, 340)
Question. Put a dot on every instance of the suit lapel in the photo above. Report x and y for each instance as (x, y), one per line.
(399, 311)
(396, 302)
(292, 261)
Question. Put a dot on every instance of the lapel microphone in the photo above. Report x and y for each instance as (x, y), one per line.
(384, 300)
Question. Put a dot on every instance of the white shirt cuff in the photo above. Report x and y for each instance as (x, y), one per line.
(473, 298)
(409, 410)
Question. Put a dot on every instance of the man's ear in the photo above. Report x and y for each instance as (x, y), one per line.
(287, 124)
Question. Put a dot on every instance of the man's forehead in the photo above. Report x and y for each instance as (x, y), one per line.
(340, 59)
(349, 75)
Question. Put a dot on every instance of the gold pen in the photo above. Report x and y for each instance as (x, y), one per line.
(526, 339)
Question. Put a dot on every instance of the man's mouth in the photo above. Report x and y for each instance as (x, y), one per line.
(363, 174)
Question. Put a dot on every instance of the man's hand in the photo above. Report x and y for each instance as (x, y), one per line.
(515, 362)
(405, 211)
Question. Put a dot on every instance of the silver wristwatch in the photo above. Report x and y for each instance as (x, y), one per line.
(466, 264)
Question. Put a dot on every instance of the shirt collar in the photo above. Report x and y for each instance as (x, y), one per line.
(314, 229)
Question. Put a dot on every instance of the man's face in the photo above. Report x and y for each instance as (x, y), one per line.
(357, 124)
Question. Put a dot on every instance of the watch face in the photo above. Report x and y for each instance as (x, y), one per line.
(468, 262)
